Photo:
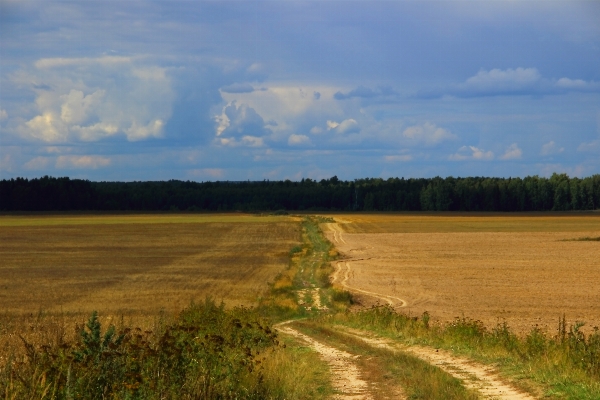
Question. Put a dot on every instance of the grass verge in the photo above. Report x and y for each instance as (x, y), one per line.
(566, 365)
(419, 379)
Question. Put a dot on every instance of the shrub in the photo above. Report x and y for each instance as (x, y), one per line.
(207, 353)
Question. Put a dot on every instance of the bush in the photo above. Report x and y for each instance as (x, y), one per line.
(207, 353)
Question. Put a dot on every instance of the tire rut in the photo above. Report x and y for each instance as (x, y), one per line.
(346, 376)
(482, 378)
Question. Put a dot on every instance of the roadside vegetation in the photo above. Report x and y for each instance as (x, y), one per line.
(563, 365)
(418, 379)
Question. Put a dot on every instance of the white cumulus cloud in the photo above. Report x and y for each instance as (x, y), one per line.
(504, 79)
(92, 98)
(241, 125)
(315, 130)
(346, 126)
(551, 148)
(298, 140)
(82, 162)
(428, 134)
(512, 153)
(37, 163)
(592, 146)
(471, 153)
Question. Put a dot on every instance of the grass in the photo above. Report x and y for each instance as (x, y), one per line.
(207, 352)
(309, 269)
(565, 365)
(418, 379)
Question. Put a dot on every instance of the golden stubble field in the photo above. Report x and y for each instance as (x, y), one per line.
(522, 269)
(138, 264)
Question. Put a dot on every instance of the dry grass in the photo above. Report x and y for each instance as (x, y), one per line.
(136, 270)
(98, 218)
(138, 263)
(494, 268)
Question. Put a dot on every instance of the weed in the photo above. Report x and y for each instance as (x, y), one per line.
(208, 352)
(342, 296)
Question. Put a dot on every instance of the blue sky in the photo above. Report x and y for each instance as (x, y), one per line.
(152, 90)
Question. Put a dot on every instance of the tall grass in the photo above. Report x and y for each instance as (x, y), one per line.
(208, 352)
(564, 364)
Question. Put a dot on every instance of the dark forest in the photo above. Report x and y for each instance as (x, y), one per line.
(557, 193)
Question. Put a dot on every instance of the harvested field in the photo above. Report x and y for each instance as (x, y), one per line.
(138, 264)
(522, 269)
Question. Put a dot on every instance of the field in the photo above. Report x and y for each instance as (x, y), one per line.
(301, 341)
(138, 264)
(523, 269)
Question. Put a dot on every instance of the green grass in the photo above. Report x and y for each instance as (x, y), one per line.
(419, 379)
(566, 365)
(309, 268)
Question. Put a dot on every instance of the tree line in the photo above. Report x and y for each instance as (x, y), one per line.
(533, 193)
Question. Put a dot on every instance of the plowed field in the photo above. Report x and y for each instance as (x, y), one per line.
(522, 269)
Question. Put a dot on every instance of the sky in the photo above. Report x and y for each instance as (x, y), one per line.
(254, 90)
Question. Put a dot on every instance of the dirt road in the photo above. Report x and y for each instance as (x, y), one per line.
(482, 378)
(346, 376)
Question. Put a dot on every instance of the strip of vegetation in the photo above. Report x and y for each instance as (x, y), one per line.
(419, 379)
(308, 275)
(566, 365)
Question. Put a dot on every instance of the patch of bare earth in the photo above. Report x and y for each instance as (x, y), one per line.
(482, 378)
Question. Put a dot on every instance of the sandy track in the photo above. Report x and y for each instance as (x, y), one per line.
(343, 267)
(479, 377)
(346, 375)
(337, 232)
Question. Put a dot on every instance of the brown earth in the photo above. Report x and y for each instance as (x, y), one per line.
(518, 269)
